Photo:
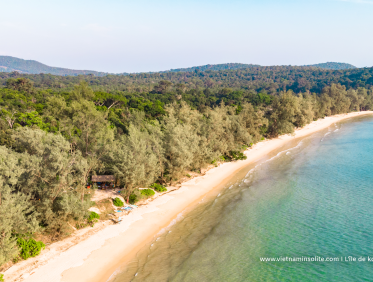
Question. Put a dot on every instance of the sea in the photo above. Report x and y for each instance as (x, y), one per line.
(304, 213)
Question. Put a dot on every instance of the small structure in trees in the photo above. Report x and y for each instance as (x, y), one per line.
(104, 181)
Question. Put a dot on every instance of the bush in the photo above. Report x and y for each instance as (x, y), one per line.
(93, 215)
(147, 192)
(223, 158)
(118, 202)
(1, 277)
(188, 175)
(237, 155)
(138, 194)
(133, 198)
(158, 187)
(29, 248)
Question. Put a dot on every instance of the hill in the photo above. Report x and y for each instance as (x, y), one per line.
(10, 64)
(333, 66)
(218, 67)
(236, 66)
(269, 80)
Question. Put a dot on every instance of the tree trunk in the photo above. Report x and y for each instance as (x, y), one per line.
(129, 191)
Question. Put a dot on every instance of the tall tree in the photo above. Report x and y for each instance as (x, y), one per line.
(133, 160)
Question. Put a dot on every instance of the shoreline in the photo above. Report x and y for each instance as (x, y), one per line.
(99, 255)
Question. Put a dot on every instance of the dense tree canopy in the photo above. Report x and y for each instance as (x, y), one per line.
(56, 132)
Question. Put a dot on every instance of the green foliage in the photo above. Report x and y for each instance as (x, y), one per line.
(29, 248)
(333, 66)
(118, 202)
(237, 155)
(19, 84)
(147, 192)
(93, 216)
(223, 158)
(133, 198)
(144, 128)
(133, 158)
(1, 277)
(138, 195)
(234, 156)
(158, 187)
(257, 79)
(17, 215)
(231, 66)
(33, 118)
(188, 175)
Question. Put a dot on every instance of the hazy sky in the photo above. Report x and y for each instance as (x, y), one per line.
(143, 35)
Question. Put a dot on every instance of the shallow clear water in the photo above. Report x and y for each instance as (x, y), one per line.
(312, 200)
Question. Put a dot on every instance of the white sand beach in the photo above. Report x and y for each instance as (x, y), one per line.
(94, 254)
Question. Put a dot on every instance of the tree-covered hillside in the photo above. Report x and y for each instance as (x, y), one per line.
(333, 66)
(10, 64)
(230, 66)
(269, 80)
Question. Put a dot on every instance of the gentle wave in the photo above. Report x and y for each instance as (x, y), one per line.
(271, 159)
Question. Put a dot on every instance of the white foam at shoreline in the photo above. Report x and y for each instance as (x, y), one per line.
(279, 154)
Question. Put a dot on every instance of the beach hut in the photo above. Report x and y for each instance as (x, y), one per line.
(104, 181)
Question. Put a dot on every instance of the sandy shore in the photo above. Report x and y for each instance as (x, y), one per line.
(98, 255)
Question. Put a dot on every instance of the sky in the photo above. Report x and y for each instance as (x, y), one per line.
(141, 35)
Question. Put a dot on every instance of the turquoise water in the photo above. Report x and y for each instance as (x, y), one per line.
(313, 200)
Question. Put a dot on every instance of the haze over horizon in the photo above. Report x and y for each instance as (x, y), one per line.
(111, 37)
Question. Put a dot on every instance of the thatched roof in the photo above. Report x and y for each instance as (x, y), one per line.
(103, 178)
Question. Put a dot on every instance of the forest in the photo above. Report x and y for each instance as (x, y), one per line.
(270, 80)
(56, 132)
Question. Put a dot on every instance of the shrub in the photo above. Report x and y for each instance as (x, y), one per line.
(158, 187)
(118, 202)
(188, 175)
(1, 277)
(133, 198)
(147, 192)
(237, 155)
(93, 215)
(29, 248)
(138, 194)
